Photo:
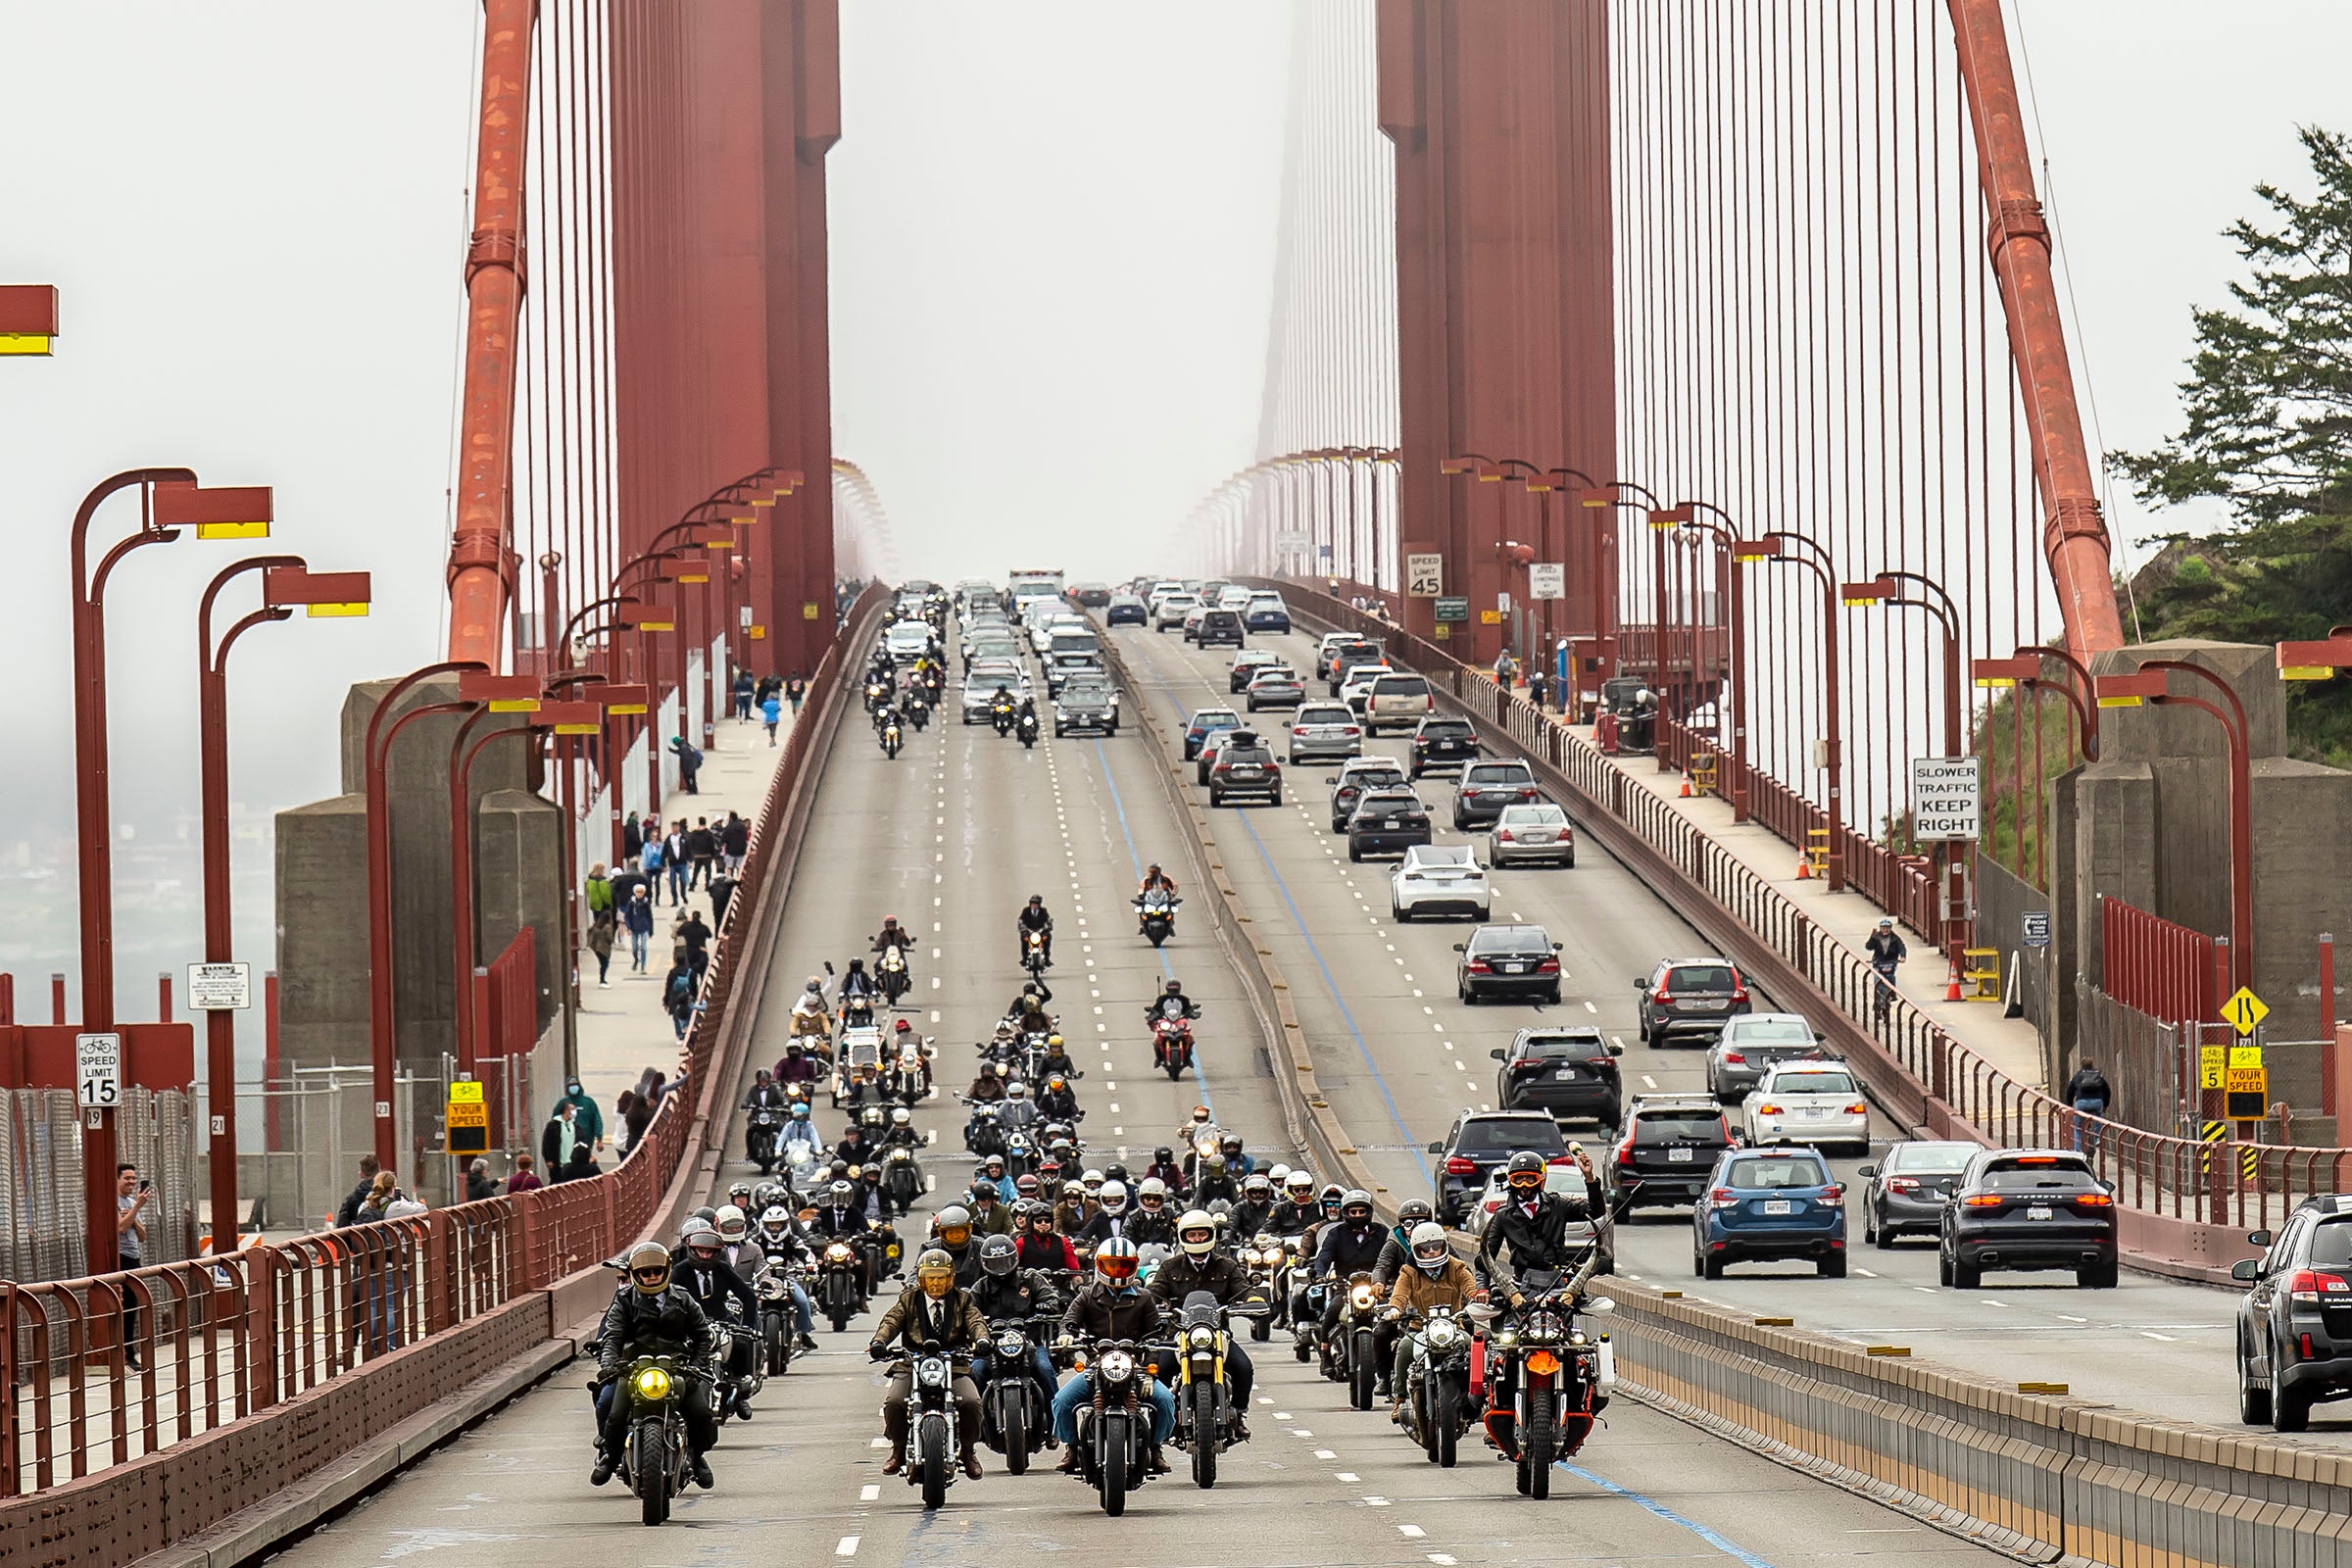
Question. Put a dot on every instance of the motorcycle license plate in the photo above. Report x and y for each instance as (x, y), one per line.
(1779, 1205)
(1678, 1156)
(2038, 1211)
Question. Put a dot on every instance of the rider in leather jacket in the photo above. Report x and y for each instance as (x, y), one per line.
(651, 1315)
(1534, 1224)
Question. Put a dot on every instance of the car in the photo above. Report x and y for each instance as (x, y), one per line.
(1755, 1041)
(1345, 656)
(1266, 612)
(1568, 1073)
(1684, 998)
(1401, 700)
(1439, 879)
(1200, 723)
(980, 690)
(1562, 1178)
(1385, 821)
(1508, 960)
(1903, 1195)
(1766, 1204)
(1220, 627)
(908, 639)
(1089, 595)
(1531, 833)
(1061, 668)
(1125, 610)
(1086, 702)
(1213, 592)
(1169, 610)
(1487, 787)
(1160, 590)
(1481, 1143)
(1320, 665)
(1276, 687)
(1349, 783)
(1356, 685)
(1441, 744)
(2027, 1209)
(1246, 662)
(2294, 1327)
(1667, 1151)
(1245, 767)
(1815, 1102)
(1324, 730)
(1233, 597)
(1211, 743)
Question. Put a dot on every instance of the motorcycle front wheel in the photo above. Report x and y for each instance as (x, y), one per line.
(1205, 1435)
(1015, 1425)
(650, 1468)
(1445, 1426)
(1113, 1444)
(934, 1462)
(1360, 1371)
(1536, 1442)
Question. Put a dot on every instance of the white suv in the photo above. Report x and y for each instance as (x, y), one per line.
(1171, 610)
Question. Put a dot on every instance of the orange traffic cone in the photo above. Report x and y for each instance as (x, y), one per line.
(1951, 990)
(1804, 868)
(1686, 795)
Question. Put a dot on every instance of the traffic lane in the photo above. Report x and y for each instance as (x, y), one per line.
(2039, 1327)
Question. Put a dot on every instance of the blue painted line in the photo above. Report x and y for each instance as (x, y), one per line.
(1713, 1537)
(1329, 986)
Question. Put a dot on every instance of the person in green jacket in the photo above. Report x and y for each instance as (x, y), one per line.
(587, 1122)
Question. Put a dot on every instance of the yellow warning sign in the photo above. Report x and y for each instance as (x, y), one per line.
(2210, 1063)
(2245, 1012)
(468, 1123)
(2243, 1055)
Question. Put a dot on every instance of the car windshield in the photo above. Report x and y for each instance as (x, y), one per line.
(1770, 1032)
(1693, 1125)
(1939, 1158)
(1776, 1173)
(1501, 1136)
(2058, 1176)
(1813, 1083)
(1496, 773)
(1564, 1048)
(1700, 977)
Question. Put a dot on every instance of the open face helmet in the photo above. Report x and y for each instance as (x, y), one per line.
(954, 1225)
(1356, 1207)
(1413, 1211)
(649, 1267)
(935, 1272)
(1197, 1232)
(899, 1117)
(1430, 1250)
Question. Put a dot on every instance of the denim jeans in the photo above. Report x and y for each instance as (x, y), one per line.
(801, 1318)
(1075, 1393)
(677, 881)
(2089, 1107)
(637, 941)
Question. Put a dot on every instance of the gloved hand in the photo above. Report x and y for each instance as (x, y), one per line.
(878, 1351)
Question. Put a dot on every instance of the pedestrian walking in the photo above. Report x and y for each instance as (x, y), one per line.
(602, 922)
(131, 1198)
(696, 937)
(638, 1117)
(347, 1213)
(722, 893)
(558, 1138)
(701, 854)
(677, 994)
(795, 691)
(525, 1179)
(478, 1184)
(650, 859)
(675, 862)
(585, 1117)
(771, 712)
(2087, 1090)
(601, 935)
(690, 762)
(743, 694)
(638, 917)
(734, 842)
(632, 837)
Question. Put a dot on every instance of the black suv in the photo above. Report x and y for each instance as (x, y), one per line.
(1385, 821)
(1218, 626)
(1667, 1151)
(2294, 1328)
(1245, 766)
(1441, 743)
(1478, 1143)
(1687, 998)
(2028, 1209)
(1563, 1072)
(1353, 782)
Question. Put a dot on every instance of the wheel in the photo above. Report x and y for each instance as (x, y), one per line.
(1831, 1267)
(1114, 1468)
(1204, 1435)
(1569, 864)
(1967, 1276)
(2291, 1410)
(1877, 1235)
(1698, 1263)
(1260, 1330)
(1487, 914)
(1355, 854)
(2253, 1403)
(1299, 1350)
(841, 1319)
(1398, 916)
(2101, 1278)
(1555, 998)
(1944, 1269)
(1442, 1439)
(1713, 1266)
(1535, 1444)
(1016, 1440)
(1278, 797)
(1175, 1069)
(934, 1464)
(650, 1469)
(1216, 797)
(1360, 1371)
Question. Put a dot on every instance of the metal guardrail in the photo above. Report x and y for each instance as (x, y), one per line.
(228, 1339)
(1922, 1073)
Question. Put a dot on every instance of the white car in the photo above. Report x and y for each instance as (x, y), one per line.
(1439, 879)
(1170, 609)
(1358, 685)
(1324, 729)
(1538, 831)
(908, 639)
(1807, 1103)
(1234, 598)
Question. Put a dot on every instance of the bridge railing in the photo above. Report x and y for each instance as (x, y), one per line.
(101, 1372)
(1919, 1071)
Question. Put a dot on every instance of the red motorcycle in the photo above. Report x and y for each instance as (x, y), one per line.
(1172, 1045)
(1545, 1379)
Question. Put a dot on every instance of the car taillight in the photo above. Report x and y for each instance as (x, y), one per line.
(1351, 729)
(1456, 1165)
(1857, 1108)
(1502, 835)
(1734, 1059)
(1901, 1184)
(1527, 795)
(1831, 1198)
(1625, 1151)
(1983, 1201)
(1722, 1198)
(1665, 999)
(1298, 729)
(1738, 992)
(1222, 767)
(2309, 1285)
(1548, 966)
(1481, 966)
(1768, 1109)
(2095, 1200)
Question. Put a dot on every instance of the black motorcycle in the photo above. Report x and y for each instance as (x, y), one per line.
(774, 1286)
(654, 1460)
(1013, 1419)
(932, 1441)
(1436, 1396)
(759, 1138)
(840, 1283)
(1025, 727)
(1157, 914)
(1348, 1354)
(891, 740)
(1115, 1421)
(1001, 715)
(1203, 1400)
(902, 1179)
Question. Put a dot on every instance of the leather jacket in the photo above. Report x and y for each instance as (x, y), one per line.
(1217, 1274)
(637, 1324)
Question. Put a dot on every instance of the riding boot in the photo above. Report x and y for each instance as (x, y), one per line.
(971, 1458)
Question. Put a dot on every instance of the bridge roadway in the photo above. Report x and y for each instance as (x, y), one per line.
(1399, 1057)
(951, 838)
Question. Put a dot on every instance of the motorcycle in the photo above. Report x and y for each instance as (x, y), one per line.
(907, 1085)
(802, 1166)
(1114, 1423)
(982, 1136)
(1010, 1419)
(932, 1441)
(735, 1392)
(1171, 1046)
(1021, 1155)
(1437, 1391)
(1203, 1402)
(919, 710)
(1348, 1356)
(654, 1460)
(1268, 1260)
(1026, 728)
(1546, 1379)
(1157, 914)
(891, 740)
(1033, 954)
(840, 1283)
(759, 1138)
(1001, 715)
(774, 1285)
(901, 1180)
(858, 1062)
(890, 973)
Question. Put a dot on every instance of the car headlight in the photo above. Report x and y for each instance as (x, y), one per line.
(1203, 1338)
(1118, 1366)
(1444, 1332)
(652, 1384)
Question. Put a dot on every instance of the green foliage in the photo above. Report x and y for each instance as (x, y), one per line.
(2268, 408)
(2004, 736)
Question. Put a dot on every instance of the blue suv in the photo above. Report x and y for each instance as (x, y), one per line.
(1767, 1204)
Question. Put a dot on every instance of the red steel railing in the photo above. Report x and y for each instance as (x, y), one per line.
(2156, 965)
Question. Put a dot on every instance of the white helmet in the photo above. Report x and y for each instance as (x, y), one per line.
(1278, 1174)
(1114, 1197)
(1017, 1088)
(1299, 1186)
(1430, 1250)
(1151, 1186)
(732, 1224)
(774, 1221)
(1092, 1181)
(900, 1118)
(1197, 1232)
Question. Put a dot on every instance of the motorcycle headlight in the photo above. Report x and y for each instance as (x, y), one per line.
(1117, 1366)
(931, 1373)
(1443, 1332)
(837, 1254)
(652, 1384)
(1010, 1342)
(1507, 1337)
(1361, 1298)
(1203, 1338)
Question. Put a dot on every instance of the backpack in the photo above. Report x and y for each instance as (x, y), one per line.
(680, 991)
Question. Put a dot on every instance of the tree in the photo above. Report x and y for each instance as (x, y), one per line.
(2269, 406)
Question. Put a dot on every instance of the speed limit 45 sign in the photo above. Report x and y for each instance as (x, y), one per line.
(1424, 575)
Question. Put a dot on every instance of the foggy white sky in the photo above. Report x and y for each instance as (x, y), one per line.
(1052, 229)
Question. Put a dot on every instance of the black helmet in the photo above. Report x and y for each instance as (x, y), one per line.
(1525, 1172)
(1163, 1155)
(1037, 897)
(1173, 988)
(999, 1254)
(1412, 1211)
(1114, 1172)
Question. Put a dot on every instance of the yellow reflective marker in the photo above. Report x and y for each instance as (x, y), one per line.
(27, 343)
(332, 611)
(233, 530)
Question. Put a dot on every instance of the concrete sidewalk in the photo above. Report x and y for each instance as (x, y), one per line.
(2009, 1043)
(623, 1027)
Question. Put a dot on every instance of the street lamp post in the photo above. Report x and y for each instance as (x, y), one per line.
(1887, 589)
(1796, 550)
(1725, 535)
(286, 583)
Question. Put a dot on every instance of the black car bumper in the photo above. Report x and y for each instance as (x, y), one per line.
(2029, 1250)
(1442, 759)
(1384, 842)
(1909, 1216)
(1512, 985)
(1657, 1191)
(1569, 1101)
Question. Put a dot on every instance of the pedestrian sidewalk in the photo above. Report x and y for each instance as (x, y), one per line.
(623, 1027)
(2009, 1043)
